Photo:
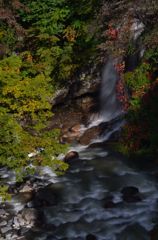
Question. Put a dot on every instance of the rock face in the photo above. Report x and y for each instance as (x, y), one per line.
(87, 82)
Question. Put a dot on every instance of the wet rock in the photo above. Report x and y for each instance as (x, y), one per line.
(133, 232)
(26, 218)
(131, 194)
(26, 189)
(69, 137)
(29, 215)
(91, 237)
(47, 196)
(89, 135)
(2, 212)
(154, 233)
(21, 238)
(76, 128)
(5, 229)
(108, 202)
(71, 156)
(3, 223)
(25, 197)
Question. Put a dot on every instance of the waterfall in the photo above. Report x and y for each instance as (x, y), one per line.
(110, 105)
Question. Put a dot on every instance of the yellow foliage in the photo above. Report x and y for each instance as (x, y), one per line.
(70, 34)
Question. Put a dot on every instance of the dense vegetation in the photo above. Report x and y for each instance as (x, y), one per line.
(42, 44)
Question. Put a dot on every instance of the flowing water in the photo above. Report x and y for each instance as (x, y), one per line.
(100, 174)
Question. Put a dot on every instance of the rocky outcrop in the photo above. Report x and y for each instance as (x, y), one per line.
(85, 84)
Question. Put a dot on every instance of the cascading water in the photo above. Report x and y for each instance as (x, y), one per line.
(90, 203)
(110, 105)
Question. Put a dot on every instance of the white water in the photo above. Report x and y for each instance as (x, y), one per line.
(110, 106)
(97, 174)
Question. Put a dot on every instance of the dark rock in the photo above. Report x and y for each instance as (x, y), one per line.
(25, 197)
(47, 196)
(154, 233)
(91, 237)
(71, 156)
(108, 202)
(133, 232)
(131, 194)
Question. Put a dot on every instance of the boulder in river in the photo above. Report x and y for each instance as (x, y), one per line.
(91, 237)
(47, 196)
(108, 202)
(71, 156)
(131, 194)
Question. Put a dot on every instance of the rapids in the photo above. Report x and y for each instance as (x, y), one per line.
(90, 197)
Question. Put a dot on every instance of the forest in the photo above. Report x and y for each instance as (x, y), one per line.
(48, 46)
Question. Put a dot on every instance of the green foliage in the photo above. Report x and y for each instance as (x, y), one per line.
(140, 135)
(4, 193)
(25, 101)
(138, 78)
(7, 38)
(44, 43)
(59, 35)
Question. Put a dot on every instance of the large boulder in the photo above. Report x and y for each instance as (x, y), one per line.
(91, 237)
(47, 196)
(71, 156)
(131, 194)
(108, 202)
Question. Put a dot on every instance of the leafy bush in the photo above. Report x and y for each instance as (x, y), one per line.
(141, 131)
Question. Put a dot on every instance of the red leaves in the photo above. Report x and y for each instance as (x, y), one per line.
(120, 88)
(122, 95)
(120, 67)
(112, 33)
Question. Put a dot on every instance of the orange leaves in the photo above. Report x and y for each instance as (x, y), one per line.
(70, 34)
(120, 67)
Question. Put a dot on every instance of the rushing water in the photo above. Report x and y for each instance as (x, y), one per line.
(83, 191)
(99, 174)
